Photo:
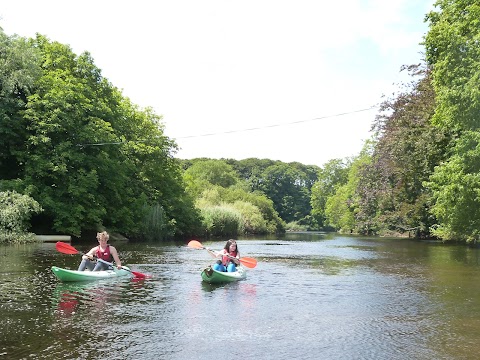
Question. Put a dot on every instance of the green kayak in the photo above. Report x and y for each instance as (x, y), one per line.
(66, 275)
(216, 277)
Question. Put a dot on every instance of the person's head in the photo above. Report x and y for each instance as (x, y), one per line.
(231, 246)
(102, 237)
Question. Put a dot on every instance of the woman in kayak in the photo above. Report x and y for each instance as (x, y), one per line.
(102, 251)
(229, 255)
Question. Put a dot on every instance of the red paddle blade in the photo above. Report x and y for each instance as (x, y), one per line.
(248, 262)
(139, 275)
(195, 244)
(65, 248)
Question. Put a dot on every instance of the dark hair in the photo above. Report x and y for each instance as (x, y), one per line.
(230, 242)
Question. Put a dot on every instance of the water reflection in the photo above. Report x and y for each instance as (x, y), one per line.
(94, 295)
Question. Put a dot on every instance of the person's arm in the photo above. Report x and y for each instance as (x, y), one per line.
(90, 254)
(114, 253)
(214, 254)
(235, 260)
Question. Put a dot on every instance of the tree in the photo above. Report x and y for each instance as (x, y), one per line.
(289, 189)
(456, 192)
(19, 70)
(453, 51)
(330, 177)
(392, 195)
(219, 193)
(215, 172)
(342, 207)
(92, 158)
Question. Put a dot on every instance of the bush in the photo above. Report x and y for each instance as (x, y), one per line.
(155, 224)
(10, 237)
(253, 221)
(295, 226)
(16, 211)
(223, 220)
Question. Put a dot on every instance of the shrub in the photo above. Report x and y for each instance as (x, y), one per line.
(16, 211)
(155, 226)
(223, 220)
(253, 221)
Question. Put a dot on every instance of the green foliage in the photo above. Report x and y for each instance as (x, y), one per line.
(288, 185)
(223, 220)
(10, 237)
(19, 70)
(289, 189)
(252, 218)
(257, 212)
(15, 213)
(392, 197)
(453, 51)
(87, 154)
(215, 172)
(330, 177)
(260, 201)
(340, 208)
(295, 226)
(155, 225)
(455, 185)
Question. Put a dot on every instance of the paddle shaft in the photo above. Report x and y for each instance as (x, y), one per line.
(248, 262)
(227, 255)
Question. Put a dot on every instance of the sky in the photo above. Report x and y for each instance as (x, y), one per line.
(288, 80)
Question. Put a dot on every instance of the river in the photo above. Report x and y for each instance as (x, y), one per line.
(311, 296)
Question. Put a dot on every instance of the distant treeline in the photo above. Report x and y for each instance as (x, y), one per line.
(77, 156)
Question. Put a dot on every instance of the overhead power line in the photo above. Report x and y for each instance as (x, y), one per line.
(241, 130)
(277, 125)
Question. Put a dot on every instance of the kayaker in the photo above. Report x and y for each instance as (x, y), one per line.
(229, 255)
(103, 251)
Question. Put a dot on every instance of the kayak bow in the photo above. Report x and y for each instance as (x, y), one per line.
(216, 277)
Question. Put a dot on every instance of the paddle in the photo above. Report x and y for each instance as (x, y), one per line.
(70, 250)
(246, 261)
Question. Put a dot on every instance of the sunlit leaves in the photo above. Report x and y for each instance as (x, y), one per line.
(330, 177)
(15, 213)
(455, 185)
(453, 50)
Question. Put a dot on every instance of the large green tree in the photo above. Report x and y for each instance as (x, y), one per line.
(330, 177)
(391, 190)
(289, 188)
(456, 192)
(90, 157)
(342, 207)
(453, 52)
(19, 70)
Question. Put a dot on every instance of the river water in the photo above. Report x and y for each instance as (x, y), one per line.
(311, 296)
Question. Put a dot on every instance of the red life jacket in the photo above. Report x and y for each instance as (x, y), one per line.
(104, 255)
(225, 259)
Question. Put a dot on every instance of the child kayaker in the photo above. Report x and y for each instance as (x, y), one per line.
(227, 263)
(102, 251)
